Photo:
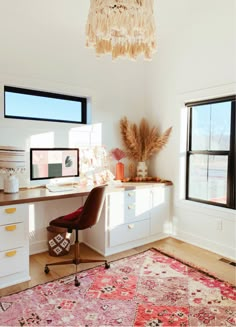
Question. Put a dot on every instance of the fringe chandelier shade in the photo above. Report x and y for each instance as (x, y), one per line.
(122, 28)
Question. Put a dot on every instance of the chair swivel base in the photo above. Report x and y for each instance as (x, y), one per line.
(75, 262)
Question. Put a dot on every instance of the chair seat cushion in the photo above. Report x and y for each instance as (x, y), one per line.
(73, 215)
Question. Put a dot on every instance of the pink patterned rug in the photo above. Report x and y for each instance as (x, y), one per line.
(148, 289)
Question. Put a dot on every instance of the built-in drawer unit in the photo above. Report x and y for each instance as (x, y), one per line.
(134, 214)
(14, 245)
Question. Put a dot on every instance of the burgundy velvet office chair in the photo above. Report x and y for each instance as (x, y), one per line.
(83, 218)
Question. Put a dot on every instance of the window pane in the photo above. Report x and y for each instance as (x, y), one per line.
(220, 126)
(208, 178)
(211, 126)
(200, 127)
(32, 104)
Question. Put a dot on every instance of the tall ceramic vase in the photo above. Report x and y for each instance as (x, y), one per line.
(120, 171)
(142, 170)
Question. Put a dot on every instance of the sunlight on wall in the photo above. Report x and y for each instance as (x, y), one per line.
(85, 136)
(42, 140)
(31, 221)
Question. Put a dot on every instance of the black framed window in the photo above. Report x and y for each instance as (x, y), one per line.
(23, 103)
(211, 152)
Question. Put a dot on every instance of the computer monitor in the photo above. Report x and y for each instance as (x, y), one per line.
(49, 163)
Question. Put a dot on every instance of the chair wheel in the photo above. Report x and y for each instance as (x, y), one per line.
(77, 283)
(46, 270)
(107, 265)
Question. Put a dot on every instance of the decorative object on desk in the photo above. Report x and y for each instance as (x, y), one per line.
(95, 166)
(146, 289)
(148, 179)
(118, 155)
(12, 163)
(142, 169)
(122, 28)
(142, 142)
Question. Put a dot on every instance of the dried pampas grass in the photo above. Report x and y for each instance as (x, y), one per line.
(142, 141)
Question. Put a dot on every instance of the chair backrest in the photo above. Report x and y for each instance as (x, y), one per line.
(92, 208)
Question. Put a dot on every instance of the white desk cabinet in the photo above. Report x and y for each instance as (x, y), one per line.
(131, 216)
(14, 247)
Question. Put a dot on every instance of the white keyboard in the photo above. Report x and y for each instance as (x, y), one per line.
(59, 188)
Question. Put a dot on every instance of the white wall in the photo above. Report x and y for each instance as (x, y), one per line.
(196, 60)
(42, 47)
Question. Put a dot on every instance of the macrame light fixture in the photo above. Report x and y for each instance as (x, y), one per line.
(122, 28)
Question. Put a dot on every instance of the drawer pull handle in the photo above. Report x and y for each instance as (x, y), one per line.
(131, 226)
(11, 253)
(131, 206)
(10, 228)
(10, 210)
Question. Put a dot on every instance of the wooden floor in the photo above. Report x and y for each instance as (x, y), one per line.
(189, 253)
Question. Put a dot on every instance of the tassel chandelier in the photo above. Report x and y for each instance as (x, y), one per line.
(122, 28)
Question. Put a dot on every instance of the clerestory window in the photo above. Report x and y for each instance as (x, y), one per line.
(38, 105)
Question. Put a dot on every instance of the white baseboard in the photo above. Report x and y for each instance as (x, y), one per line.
(38, 247)
(206, 244)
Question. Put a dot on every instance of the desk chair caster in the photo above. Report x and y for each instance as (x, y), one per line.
(107, 265)
(46, 269)
(83, 218)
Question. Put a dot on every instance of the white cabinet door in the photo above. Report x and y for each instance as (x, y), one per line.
(160, 213)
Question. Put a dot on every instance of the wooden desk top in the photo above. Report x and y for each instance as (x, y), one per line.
(29, 195)
(40, 194)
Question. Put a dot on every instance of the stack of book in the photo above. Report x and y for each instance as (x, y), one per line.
(12, 157)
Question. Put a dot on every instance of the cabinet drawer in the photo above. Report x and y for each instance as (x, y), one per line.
(13, 261)
(12, 236)
(137, 204)
(13, 213)
(129, 232)
(130, 209)
(130, 196)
